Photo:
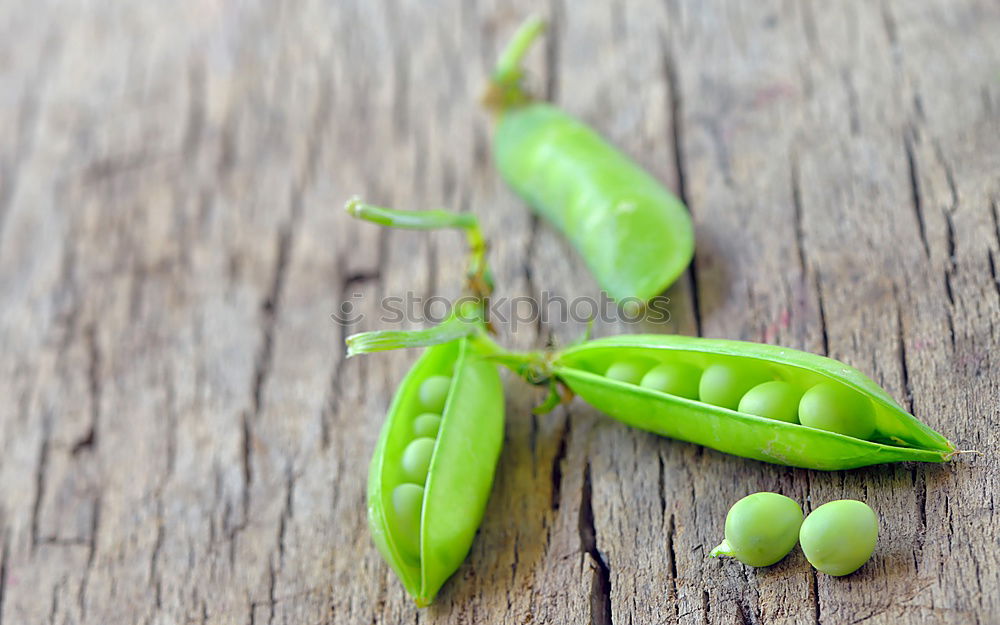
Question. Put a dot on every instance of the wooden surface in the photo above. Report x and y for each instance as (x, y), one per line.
(183, 441)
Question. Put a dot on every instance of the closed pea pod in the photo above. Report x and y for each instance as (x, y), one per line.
(635, 236)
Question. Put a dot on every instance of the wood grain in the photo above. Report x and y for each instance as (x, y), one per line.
(183, 441)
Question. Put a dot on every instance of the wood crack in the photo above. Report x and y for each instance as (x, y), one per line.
(41, 470)
(600, 583)
(89, 440)
(4, 568)
(194, 121)
(269, 307)
(824, 334)
(814, 594)
(154, 559)
(286, 514)
(889, 26)
(95, 520)
(796, 182)
(916, 199)
(671, 531)
(901, 352)
(661, 486)
(675, 105)
(557, 462)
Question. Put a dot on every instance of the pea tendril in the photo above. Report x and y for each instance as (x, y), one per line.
(479, 276)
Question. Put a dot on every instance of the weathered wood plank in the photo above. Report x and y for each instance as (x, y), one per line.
(183, 440)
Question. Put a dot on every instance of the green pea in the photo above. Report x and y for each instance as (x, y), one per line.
(634, 234)
(724, 384)
(627, 371)
(407, 501)
(774, 400)
(834, 407)
(417, 459)
(732, 369)
(840, 536)
(761, 529)
(434, 393)
(674, 378)
(426, 425)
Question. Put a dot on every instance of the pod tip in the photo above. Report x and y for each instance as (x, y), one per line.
(353, 205)
(422, 602)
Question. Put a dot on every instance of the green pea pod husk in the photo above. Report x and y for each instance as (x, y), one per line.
(898, 435)
(635, 235)
(460, 476)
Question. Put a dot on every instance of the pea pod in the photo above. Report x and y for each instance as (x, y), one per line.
(424, 527)
(635, 236)
(432, 470)
(894, 435)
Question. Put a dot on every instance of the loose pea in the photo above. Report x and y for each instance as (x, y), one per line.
(426, 425)
(761, 529)
(834, 407)
(407, 501)
(434, 392)
(774, 400)
(416, 459)
(840, 536)
(674, 378)
(724, 384)
(628, 371)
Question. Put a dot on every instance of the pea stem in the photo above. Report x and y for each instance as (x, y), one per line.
(724, 549)
(532, 366)
(479, 275)
(455, 327)
(508, 69)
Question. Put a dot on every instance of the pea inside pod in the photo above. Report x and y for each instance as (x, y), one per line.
(673, 378)
(834, 407)
(724, 383)
(432, 470)
(766, 381)
(774, 400)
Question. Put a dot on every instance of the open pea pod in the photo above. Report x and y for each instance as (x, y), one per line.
(710, 407)
(432, 470)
